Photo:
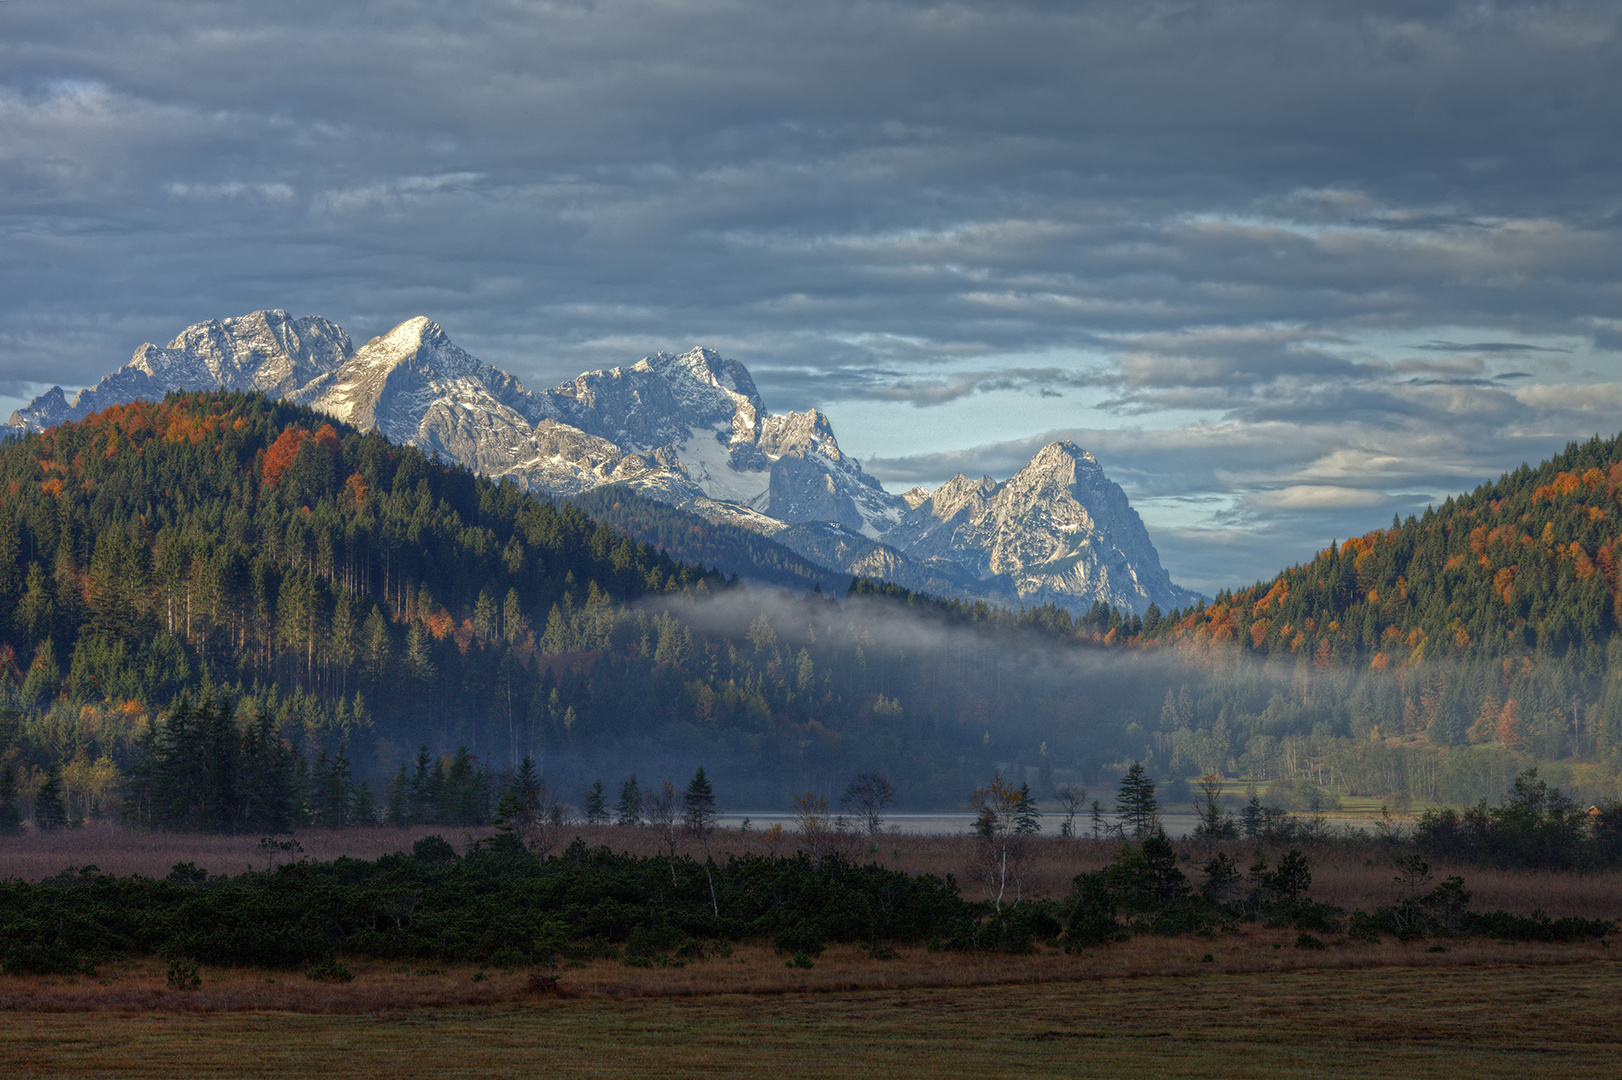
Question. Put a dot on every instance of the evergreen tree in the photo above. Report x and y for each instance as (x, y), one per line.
(467, 791)
(11, 817)
(628, 811)
(363, 809)
(269, 786)
(398, 812)
(1136, 805)
(421, 794)
(333, 790)
(699, 805)
(596, 805)
(49, 812)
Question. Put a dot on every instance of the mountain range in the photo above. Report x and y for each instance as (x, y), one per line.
(690, 430)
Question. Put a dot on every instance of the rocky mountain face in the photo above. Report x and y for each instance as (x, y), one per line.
(268, 351)
(1059, 530)
(690, 430)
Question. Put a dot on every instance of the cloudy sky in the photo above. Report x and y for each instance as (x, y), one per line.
(1287, 268)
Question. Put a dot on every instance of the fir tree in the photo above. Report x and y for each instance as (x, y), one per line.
(699, 805)
(628, 811)
(11, 817)
(1136, 805)
(49, 813)
(596, 805)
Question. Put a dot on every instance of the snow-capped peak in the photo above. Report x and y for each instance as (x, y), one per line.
(687, 428)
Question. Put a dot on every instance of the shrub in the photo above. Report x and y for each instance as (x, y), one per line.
(1363, 927)
(1313, 915)
(433, 849)
(330, 970)
(801, 937)
(509, 958)
(44, 958)
(183, 974)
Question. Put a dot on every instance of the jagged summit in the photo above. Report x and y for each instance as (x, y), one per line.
(269, 351)
(689, 429)
(1058, 530)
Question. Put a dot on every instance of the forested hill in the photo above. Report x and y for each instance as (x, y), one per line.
(1524, 565)
(369, 600)
(1488, 623)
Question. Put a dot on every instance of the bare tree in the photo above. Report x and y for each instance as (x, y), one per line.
(868, 795)
(1216, 822)
(813, 824)
(659, 809)
(1073, 799)
(1007, 821)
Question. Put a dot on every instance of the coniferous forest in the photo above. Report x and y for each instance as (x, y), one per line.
(1432, 658)
(227, 613)
(222, 569)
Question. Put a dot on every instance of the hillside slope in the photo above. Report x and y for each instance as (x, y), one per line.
(367, 599)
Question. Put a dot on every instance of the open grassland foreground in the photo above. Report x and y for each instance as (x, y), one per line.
(1243, 997)
(1485, 1018)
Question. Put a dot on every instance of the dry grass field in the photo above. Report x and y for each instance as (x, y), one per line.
(1486, 1018)
(1245, 1004)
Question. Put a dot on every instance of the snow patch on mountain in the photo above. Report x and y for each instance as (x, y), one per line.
(688, 429)
(268, 351)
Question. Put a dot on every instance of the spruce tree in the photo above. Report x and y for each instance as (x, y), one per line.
(628, 811)
(363, 809)
(596, 805)
(1136, 805)
(49, 813)
(398, 812)
(11, 817)
(699, 805)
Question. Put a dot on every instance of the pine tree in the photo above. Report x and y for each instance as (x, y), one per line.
(333, 787)
(628, 811)
(596, 805)
(467, 791)
(398, 812)
(363, 810)
(49, 813)
(420, 793)
(1136, 805)
(699, 805)
(11, 817)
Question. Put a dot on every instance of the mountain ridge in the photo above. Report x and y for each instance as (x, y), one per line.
(688, 429)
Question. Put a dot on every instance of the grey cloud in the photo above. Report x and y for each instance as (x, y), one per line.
(1231, 204)
(1487, 347)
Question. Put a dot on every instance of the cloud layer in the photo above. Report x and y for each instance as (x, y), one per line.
(1284, 266)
